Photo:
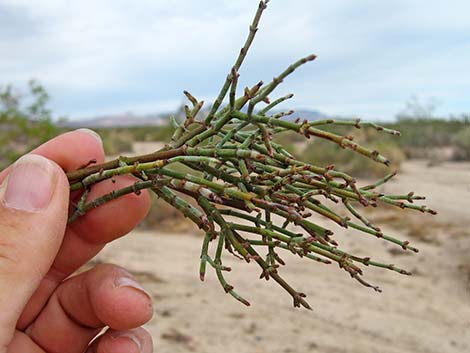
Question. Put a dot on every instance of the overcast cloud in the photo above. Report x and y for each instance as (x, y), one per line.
(99, 57)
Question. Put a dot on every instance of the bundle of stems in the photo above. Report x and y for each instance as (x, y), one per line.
(250, 196)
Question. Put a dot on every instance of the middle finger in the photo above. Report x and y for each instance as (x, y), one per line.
(106, 295)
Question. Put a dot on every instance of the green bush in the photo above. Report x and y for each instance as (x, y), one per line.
(422, 133)
(321, 153)
(117, 144)
(461, 141)
(139, 133)
(25, 121)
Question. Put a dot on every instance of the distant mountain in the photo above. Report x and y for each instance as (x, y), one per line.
(158, 119)
(119, 120)
(303, 114)
(298, 113)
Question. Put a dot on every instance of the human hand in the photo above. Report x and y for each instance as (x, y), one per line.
(41, 309)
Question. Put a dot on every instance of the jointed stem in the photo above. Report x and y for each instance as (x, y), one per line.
(238, 175)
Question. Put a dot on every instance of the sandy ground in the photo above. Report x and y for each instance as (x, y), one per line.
(428, 312)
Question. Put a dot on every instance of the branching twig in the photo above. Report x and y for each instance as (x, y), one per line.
(248, 178)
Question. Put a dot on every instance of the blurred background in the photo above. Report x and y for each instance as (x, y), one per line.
(119, 67)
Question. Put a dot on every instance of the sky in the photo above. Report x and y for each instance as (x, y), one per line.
(98, 57)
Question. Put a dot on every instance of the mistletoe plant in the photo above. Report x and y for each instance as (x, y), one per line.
(251, 197)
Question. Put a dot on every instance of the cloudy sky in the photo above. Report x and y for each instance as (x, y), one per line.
(112, 56)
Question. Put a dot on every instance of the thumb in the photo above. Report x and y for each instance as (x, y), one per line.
(33, 216)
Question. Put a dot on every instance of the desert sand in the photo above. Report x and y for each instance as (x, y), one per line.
(427, 312)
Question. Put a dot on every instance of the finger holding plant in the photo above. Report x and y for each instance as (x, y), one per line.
(252, 198)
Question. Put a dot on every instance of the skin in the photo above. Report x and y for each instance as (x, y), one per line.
(45, 309)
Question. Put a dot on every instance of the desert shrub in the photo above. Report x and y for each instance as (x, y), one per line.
(321, 153)
(461, 141)
(116, 140)
(25, 121)
(423, 133)
(141, 133)
(117, 145)
(153, 133)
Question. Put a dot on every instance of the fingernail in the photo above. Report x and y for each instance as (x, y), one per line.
(30, 184)
(129, 335)
(92, 133)
(132, 283)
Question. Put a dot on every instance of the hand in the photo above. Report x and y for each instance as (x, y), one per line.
(41, 309)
